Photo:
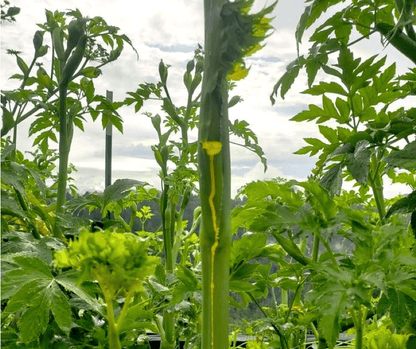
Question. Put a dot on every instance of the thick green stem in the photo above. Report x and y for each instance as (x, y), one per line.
(113, 338)
(284, 299)
(124, 309)
(315, 248)
(358, 318)
(168, 223)
(327, 247)
(64, 147)
(315, 331)
(377, 187)
(215, 183)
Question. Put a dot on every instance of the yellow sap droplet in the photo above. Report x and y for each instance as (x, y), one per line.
(212, 147)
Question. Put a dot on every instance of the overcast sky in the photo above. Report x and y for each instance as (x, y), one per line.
(170, 30)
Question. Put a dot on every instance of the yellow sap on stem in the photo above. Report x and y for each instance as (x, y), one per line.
(212, 148)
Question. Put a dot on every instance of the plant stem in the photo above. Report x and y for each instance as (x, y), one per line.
(283, 340)
(315, 248)
(284, 299)
(124, 309)
(113, 339)
(168, 223)
(327, 247)
(63, 158)
(377, 187)
(315, 331)
(358, 318)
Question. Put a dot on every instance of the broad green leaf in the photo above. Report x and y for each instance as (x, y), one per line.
(329, 108)
(359, 136)
(247, 247)
(36, 293)
(328, 112)
(243, 217)
(327, 205)
(329, 133)
(60, 307)
(343, 31)
(344, 110)
(25, 295)
(9, 206)
(358, 163)
(188, 278)
(119, 190)
(332, 180)
(311, 14)
(263, 191)
(241, 286)
(288, 78)
(9, 178)
(404, 205)
(287, 283)
(348, 64)
(24, 244)
(8, 121)
(398, 310)
(333, 305)
(69, 280)
(404, 158)
(383, 305)
(133, 316)
(34, 320)
(326, 87)
(279, 215)
(244, 271)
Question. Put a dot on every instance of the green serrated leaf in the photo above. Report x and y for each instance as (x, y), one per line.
(404, 205)
(25, 295)
(119, 190)
(8, 121)
(288, 78)
(326, 87)
(382, 305)
(241, 286)
(60, 307)
(358, 164)
(247, 247)
(398, 310)
(329, 133)
(332, 180)
(69, 280)
(331, 310)
(34, 321)
(404, 158)
(327, 205)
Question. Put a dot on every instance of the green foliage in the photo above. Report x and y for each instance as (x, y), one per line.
(342, 283)
(33, 292)
(390, 18)
(382, 337)
(119, 261)
(308, 255)
(10, 13)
